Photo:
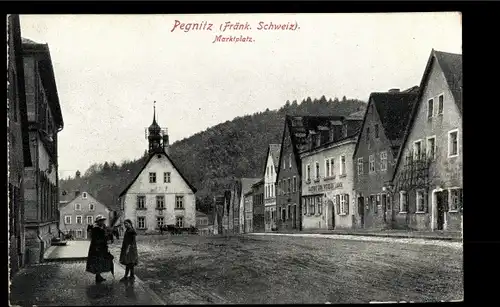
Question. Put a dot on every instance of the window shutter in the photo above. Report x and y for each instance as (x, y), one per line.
(426, 201)
(445, 200)
(460, 200)
(338, 203)
(346, 203)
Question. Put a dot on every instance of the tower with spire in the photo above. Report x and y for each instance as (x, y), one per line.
(157, 137)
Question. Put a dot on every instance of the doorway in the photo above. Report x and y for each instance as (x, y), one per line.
(331, 215)
(294, 214)
(441, 199)
(384, 207)
(361, 210)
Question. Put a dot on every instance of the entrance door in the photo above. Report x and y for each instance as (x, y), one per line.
(441, 199)
(331, 215)
(361, 210)
(384, 207)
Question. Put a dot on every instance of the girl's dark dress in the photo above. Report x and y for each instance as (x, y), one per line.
(128, 254)
(99, 259)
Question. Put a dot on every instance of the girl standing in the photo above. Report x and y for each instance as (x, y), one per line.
(128, 254)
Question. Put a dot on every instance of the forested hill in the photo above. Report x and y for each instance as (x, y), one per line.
(213, 158)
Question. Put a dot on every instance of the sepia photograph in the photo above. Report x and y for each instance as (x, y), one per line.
(179, 159)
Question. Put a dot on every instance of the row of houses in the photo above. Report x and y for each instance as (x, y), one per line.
(34, 120)
(397, 164)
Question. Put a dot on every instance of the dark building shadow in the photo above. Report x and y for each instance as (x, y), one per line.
(101, 294)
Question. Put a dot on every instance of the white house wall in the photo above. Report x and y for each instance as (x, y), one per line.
(177, 186)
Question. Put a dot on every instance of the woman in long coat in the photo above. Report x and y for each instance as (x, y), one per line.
(128, 254)
(99, 259)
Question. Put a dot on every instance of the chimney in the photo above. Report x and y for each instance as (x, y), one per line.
(77, 193)
(166, 145)
(394, 90)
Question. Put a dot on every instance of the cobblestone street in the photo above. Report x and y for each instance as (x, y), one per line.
(284, 269)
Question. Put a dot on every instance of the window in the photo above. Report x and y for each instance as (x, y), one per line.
(431, 147)
(360, 166)
(289, 215)
(383, 161)
(166, 177)
(91, 207)
(332, 167)
(308, 172)
(159, 221)
(376, 131)
(179, 202)
(342, 204)
(453, 143)
(319, 204)
(440, 104)
(160, 202)
(421, 201)
(84, 195)
(317, 170)
(283, 214)
(327, 168)
(403, 202)
(152, 177)
(79, 233)
(417, 149)
(78, 207)
(90, 220)
(372, 163)
(78, 219)
(289, 185)
(294, 184)
(342, 166)
(141, 202)
(456, 199)
(304, 205)
(67, 219)
(141, 222)
(430, 108)
(312, 206)
(290, 161)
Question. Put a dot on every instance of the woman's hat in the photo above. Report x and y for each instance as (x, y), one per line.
(100, 218)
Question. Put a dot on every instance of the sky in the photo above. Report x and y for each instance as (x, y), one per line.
(110, 68)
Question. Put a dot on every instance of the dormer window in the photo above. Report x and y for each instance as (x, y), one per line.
(84, 195)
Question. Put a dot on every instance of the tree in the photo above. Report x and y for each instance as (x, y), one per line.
(335, 100)
(77, 175)
(344, 99)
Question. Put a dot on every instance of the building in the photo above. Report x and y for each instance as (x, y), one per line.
(378, 145)
(236, 204)
(428, 179)
(77, 214)
(218, 212)
(288, 178)
(258, 206)
(45, 121)
(159, 194)
(204, 223)
(18, 148)
(227, 214)
(248, 209)
(272, 157)
(328, 179)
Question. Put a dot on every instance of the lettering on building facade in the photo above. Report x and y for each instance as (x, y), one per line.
(325, 187)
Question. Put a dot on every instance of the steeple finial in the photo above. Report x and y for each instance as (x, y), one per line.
(154, 111)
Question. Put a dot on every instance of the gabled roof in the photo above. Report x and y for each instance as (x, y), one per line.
(299, 128)
(451, 65)
(48, 79)
(274, 150)
(260, 182)
(151, 155)
(247, 183)
(63, 203)
(394, 110)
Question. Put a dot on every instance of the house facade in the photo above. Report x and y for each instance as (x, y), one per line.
(428, 180)
(248, 223)
(45, 121)
(218, 214)
(159, 194)
(328, 179)
(378, 145)
(258, 207)
(204, 223)
(272, 159)
(77, 214)
(18, 146)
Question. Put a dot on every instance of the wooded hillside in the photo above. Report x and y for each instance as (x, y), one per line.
(210, 159)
